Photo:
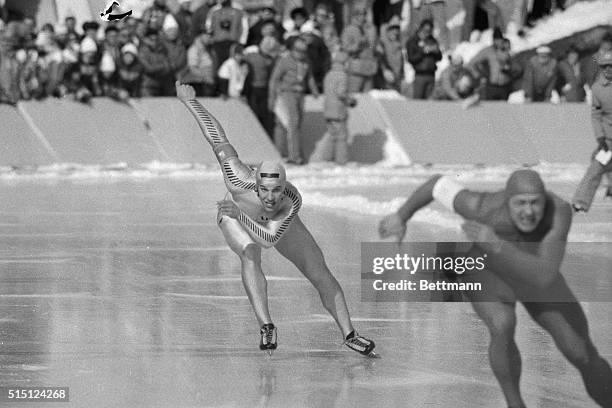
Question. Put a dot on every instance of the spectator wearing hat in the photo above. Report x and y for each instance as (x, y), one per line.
(540, 76)
(130, 71)
(591, 67)
(177, 53)
(298, 16)
(184, 19)
(571, 77)
(202, 65)
(83, 80)
(154, 16)
(334, 144)
(158, 76)
(601, 117)
(391, 55)
(267, 16)
(228, 26)
(290, 80)
(233, 73)
(90, 30)
(260, 65)
(357, 42)
(423, 54)
(495, 70)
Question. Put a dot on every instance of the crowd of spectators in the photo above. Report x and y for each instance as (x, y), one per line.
(221, 50)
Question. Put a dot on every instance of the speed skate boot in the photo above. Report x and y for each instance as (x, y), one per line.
(268, 338)
(360, 344)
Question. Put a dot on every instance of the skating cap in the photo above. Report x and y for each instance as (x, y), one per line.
(271, 170)
(524, 182)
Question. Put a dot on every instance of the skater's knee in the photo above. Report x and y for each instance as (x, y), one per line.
(580, 354)
(251, 253)
(502, 327)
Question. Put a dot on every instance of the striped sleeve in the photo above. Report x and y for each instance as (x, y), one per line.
(268, 236)
(213, 131)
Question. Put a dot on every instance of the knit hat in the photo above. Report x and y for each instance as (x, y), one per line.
(129, 48)
(169, 23)
(88, 45)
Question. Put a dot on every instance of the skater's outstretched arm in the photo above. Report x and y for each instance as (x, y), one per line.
(238, 176)
(441, 188)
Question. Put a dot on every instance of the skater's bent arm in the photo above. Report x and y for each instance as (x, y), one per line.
(539, 270)
(238, 176)
(267, 236)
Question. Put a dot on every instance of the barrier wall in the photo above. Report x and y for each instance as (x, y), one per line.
(444, 133)
(107, 132)
(383, 124)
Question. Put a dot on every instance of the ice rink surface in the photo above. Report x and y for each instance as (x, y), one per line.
(124, 291)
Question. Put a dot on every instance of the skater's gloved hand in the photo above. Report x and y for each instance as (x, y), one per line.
(392, 225)
(482, 235)
(184, 92)
(229, 208)
(602, 144)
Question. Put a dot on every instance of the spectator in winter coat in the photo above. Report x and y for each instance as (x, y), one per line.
(391, 56)
(130, 71)
(177, 53)
(540, 76)
(154, 16)
(290, 80)
(423, 54)
(601, 115)
(233, 73)
(228, 26)
(456, 82)
(260, 65)
(335, 142)
(571, 77)
(184, 19)
(158, 79)
(202, 65)
(495, 70)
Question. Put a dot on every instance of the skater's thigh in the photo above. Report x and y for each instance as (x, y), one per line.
(565, 321)
(299, 246)
(499, 317)
(235, 235)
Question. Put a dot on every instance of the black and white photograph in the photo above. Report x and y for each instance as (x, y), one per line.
(306, 203)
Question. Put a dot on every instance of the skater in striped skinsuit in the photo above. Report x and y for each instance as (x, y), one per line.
(263, 213)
